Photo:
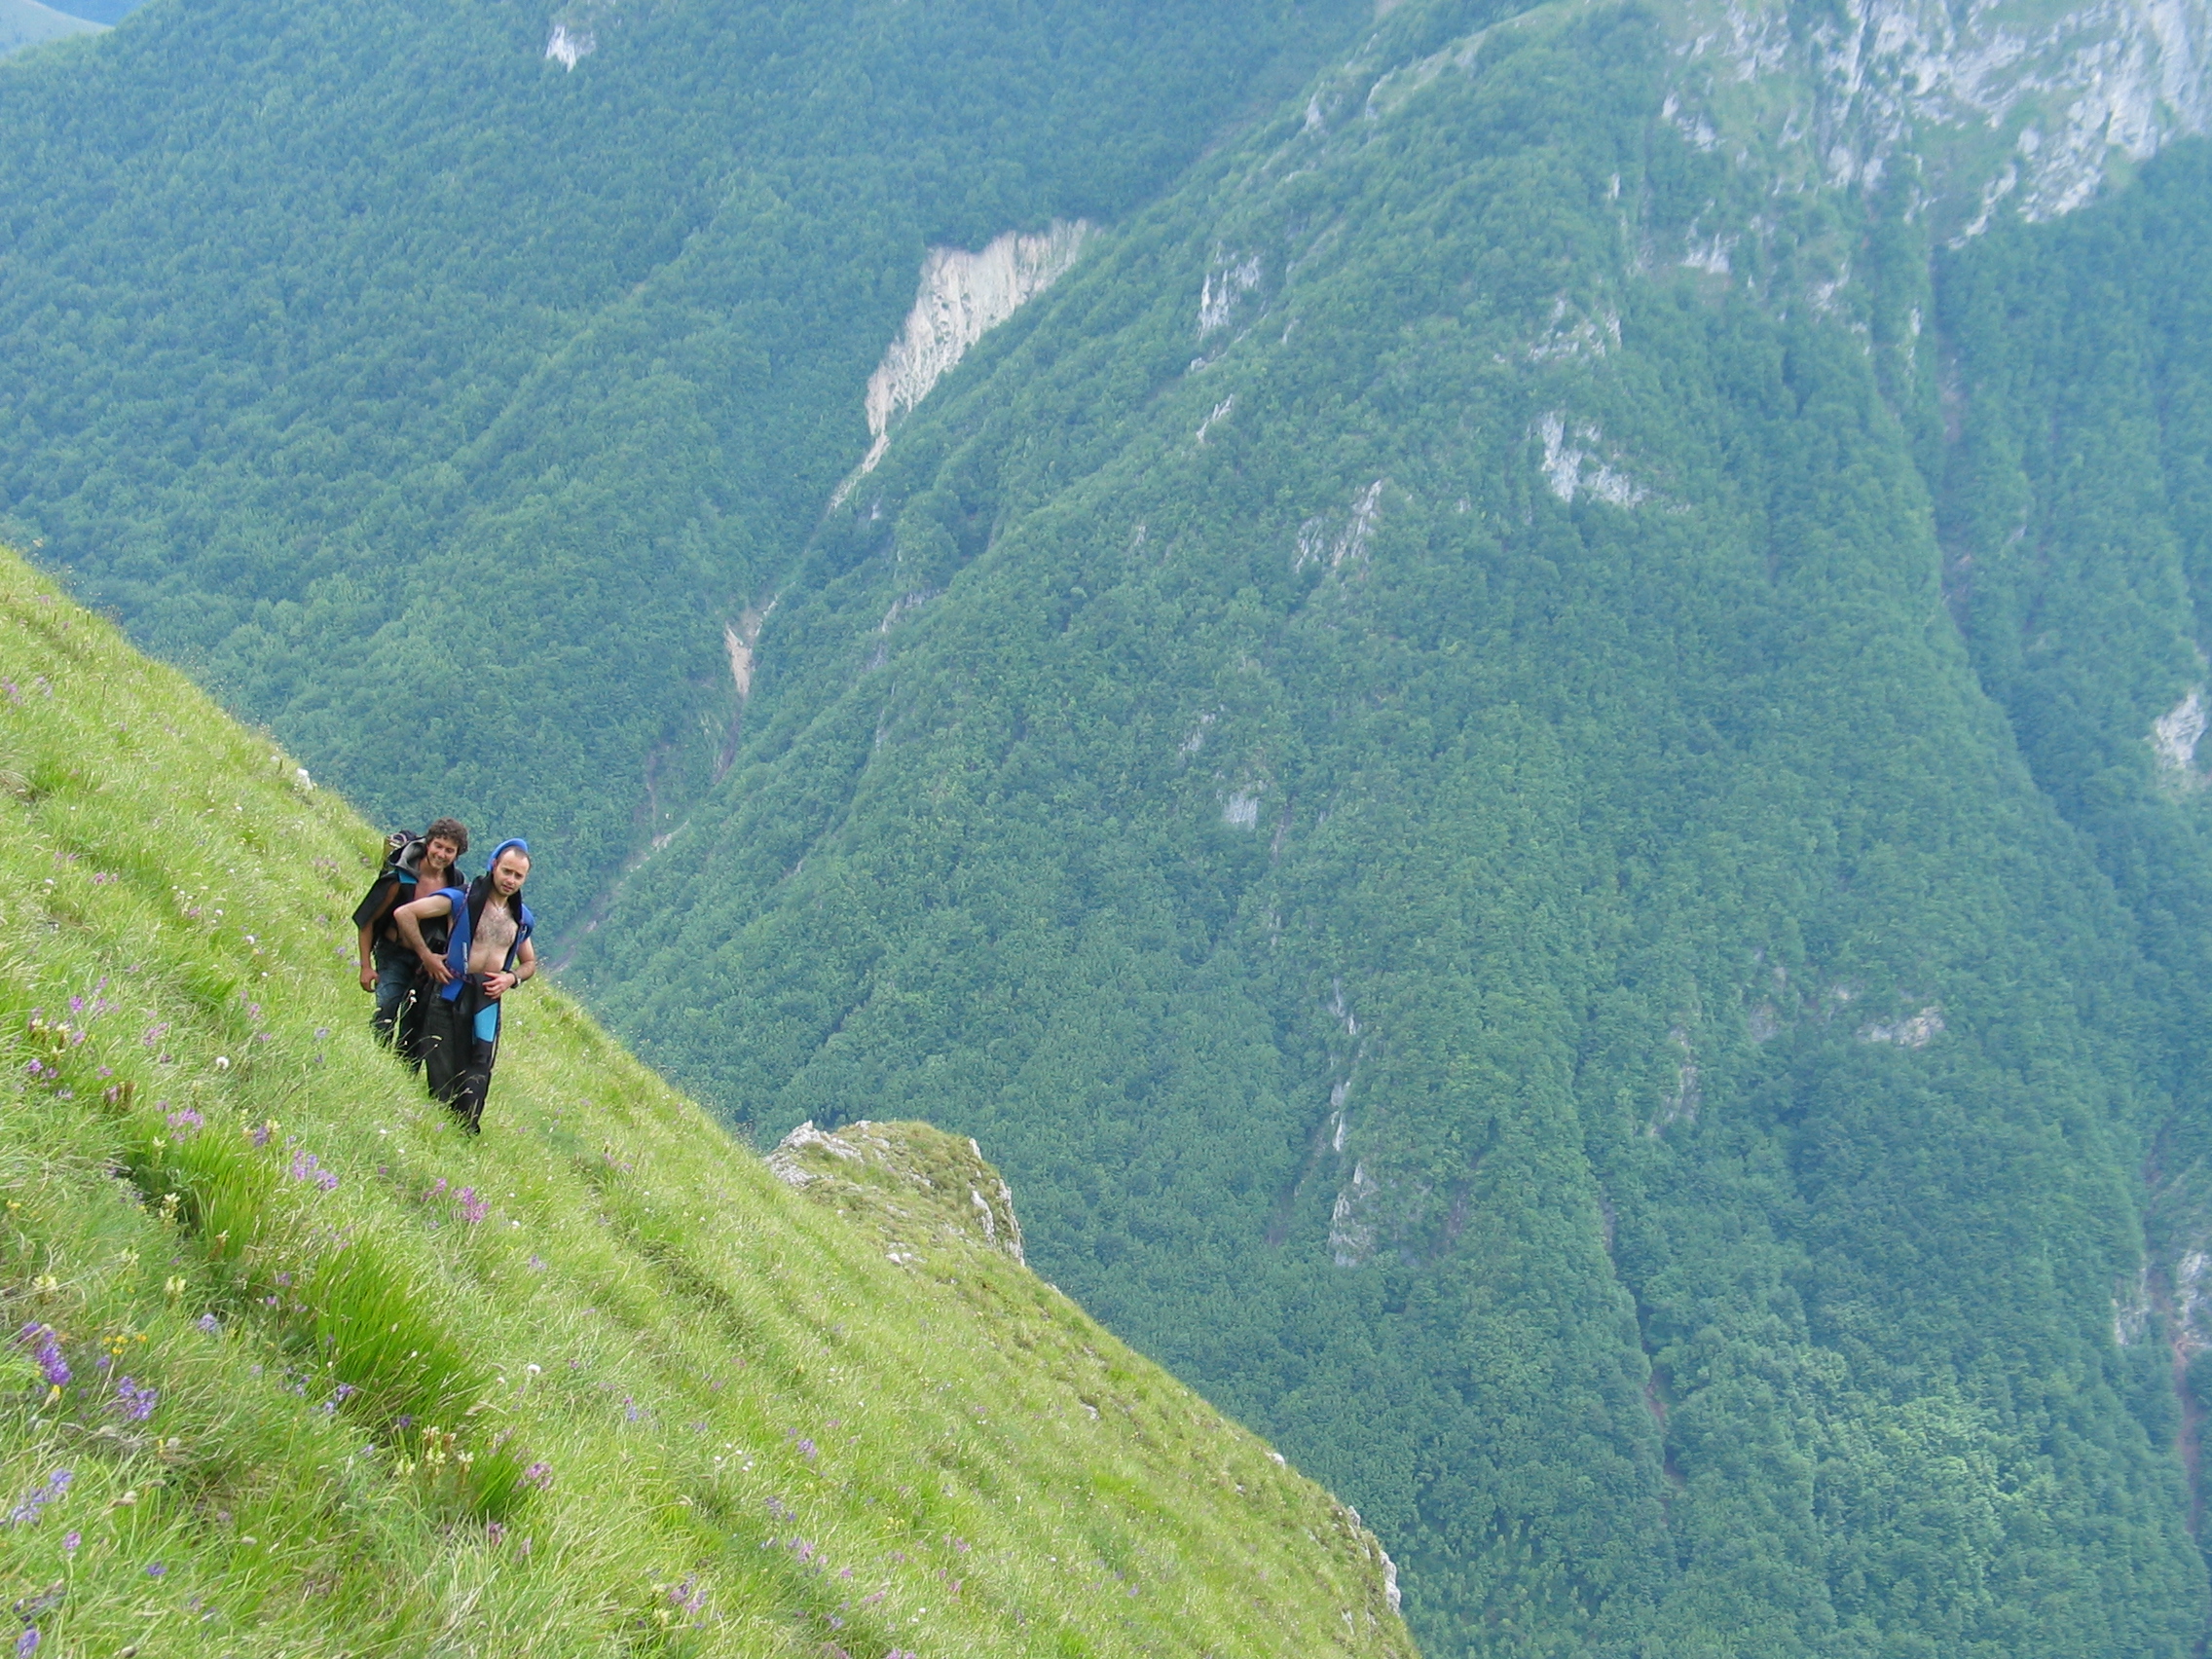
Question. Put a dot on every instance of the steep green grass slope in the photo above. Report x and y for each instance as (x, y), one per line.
(26, 22)
(1395, 748)
(441, 400)
(293, 1367)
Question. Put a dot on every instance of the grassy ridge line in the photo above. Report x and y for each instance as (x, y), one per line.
(26, 22)
(649, 1400)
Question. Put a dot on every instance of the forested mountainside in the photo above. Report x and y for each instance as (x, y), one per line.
(1528, 752)
(1529, 756)
(438, 381)
(291, 1365)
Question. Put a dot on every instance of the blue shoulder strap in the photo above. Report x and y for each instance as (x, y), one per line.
(456, 947)
(457, 942)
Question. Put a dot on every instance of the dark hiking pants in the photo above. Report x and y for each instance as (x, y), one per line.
(395, 978)
(461, 1043)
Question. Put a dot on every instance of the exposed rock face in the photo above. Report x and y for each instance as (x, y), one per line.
(920, 1185)
(963, 296)
(2176, 733)
(1914, 1032)
(570, 47)
(1570, 469)
(1998, 97)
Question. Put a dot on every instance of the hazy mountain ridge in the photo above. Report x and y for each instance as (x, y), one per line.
(26, 22)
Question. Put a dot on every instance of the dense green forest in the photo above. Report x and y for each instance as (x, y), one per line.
(439, 403)
(1529, 755)
(1410, 773)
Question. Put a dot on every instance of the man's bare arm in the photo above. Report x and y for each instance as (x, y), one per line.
(411, 918)
(369, 939)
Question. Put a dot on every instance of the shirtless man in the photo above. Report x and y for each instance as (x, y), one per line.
(488, 954)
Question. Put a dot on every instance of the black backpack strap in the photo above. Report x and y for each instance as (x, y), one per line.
(377, 901)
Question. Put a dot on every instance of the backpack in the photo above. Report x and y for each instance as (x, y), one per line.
(394, 885)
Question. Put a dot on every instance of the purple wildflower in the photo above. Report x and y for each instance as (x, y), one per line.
(70, 1540)
(133, 1403)
(28, 1512)
(306, 1167)
(688, 1596)
(494, 1531)
(185, 1121)
(156, 1570)
(806, 1450)
(473, 1209)
(210, 1323)
(537, 1263)
(46, 1349)
(262, 1131)
(27, 1643)
(76, 1005)
(539, 1475)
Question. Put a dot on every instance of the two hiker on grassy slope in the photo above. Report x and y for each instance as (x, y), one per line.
(414, 866)
(439, 951)
(488, 952)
